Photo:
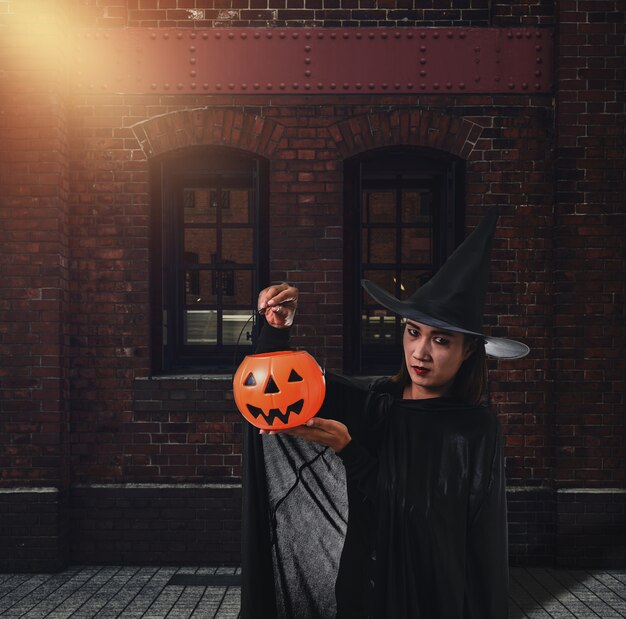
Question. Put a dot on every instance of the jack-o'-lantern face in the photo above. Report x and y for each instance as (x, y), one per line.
(279, 390)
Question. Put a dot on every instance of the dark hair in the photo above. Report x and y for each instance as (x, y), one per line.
(470, 382)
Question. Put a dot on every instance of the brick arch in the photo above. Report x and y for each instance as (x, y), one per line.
(416, 127)
(210, 127)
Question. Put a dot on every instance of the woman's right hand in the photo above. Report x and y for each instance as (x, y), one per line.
(278, 304)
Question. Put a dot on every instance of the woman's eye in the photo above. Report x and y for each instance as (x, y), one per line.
(413, 332)
(442, 341)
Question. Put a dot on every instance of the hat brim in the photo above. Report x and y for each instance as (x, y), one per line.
(499, 347)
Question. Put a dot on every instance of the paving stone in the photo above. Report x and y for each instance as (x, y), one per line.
(111, 592)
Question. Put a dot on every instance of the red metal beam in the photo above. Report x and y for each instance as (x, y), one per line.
(320, 60)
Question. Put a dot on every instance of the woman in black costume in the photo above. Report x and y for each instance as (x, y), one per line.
(426, 525)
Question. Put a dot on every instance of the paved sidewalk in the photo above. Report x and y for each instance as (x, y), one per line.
(83, 592)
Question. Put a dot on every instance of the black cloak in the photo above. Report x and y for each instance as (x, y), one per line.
(409, 521)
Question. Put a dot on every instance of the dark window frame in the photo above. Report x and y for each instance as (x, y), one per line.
(443, 175)
(170, 174)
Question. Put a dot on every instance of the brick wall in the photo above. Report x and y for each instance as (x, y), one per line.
(76, 212)
(33, 529)
(34, 289)
(589, 282)
(156, 524)
(311, 13)
(590, 369)
(306, 179)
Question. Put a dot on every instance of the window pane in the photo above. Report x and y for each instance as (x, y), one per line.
(416, 207)
(233, 323)
(379, 245)
(201, 327)
(199, 287)
(384, 279)
(237, 245)
(242, 293)
(200, 245)
(236, 206)
(378, 326)
(199, 205)
(411, 280)
(416, 246)
(379, 207)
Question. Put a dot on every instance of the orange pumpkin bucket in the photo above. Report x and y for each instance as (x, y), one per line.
(279, 390)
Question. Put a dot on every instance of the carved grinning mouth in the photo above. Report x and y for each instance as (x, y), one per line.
(275, 413)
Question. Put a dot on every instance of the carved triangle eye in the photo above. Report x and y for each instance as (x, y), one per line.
(250, 382)
(294, 377)
(271, 387)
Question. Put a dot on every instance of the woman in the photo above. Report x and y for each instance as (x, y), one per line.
(426, 532)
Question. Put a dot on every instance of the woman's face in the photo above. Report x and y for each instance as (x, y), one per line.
(433, 357)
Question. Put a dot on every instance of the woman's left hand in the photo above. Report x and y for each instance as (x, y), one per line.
(329, 432)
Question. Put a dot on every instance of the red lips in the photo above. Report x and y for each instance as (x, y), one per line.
(421, 371)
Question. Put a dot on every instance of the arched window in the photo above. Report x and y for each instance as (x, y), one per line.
(403, 217)
(209, 235)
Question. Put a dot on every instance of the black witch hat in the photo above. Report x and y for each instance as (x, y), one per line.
(454, 298)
